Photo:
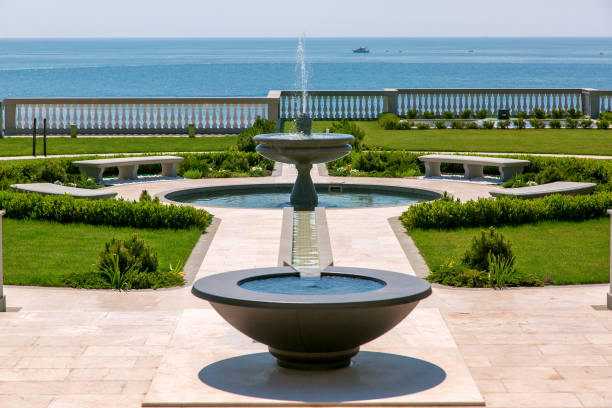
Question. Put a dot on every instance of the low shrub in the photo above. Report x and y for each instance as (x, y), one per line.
(505, 211)
(557, 113)
(388, 121)
(603, 124)
(456, 274)
(193, 174)
(467, 114)
(224, 164)
(571, 123)
(538, 113)
(67, 209)
(448, 115)
(412, 113)
(519, 123)
(457, 124)
(574, 113)
(555, 124)
(471, 125)
(537, 123)
(423, 126)
(522, 115)
(586, 123)
(440, 124)
(606, 116)
(488, 124)
(405, 125)
(260, 126)
(349, 128)
(428, 115)
(489, 243)
(482, 113)
(503, 124)
(377, 164)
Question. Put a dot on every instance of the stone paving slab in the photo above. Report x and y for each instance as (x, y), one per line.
(208, 363)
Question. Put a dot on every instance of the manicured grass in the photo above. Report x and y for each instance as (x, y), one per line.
(562, 141)
(84, 145)
(40, 253)
(566, 252)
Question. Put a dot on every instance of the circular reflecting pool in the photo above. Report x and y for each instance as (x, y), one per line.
(277, 196)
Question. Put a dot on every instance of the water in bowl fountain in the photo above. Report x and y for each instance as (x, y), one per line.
(326, 285)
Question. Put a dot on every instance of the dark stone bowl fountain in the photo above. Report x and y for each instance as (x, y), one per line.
(313, 331)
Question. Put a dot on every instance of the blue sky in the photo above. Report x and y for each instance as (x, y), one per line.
(314, 18)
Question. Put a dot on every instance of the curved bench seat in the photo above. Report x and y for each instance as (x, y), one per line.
(54, 189)
(558, 187)
(473, 165)
(128, 166)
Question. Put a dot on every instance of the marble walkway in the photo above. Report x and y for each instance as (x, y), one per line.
(533, 347)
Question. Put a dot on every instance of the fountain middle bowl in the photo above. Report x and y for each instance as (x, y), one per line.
(298, 148)
(313, 332)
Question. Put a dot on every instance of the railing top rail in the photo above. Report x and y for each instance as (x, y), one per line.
(340, 92)
(602, 92)
(451, 90)
(182, 100)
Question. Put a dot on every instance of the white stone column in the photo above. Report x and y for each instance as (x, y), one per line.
(610, 292)
(2, 297)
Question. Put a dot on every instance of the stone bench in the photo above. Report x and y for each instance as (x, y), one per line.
(54, 189)
(558, 187)
(128, 166)
(473, 165)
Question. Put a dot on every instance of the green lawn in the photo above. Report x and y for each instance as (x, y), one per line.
(84, 145)
(567, 141)
(40, 253)
(568, 252)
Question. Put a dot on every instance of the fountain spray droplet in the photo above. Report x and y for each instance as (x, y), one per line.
(303, 72)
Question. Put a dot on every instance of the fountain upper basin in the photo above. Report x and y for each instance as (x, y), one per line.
(299, 148)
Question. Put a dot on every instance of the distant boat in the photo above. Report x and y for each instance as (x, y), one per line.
(361, 50)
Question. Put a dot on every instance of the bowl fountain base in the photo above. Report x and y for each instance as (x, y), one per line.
(313, 361)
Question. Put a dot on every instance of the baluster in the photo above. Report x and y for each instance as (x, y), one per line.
(205, 124)
(213, 124)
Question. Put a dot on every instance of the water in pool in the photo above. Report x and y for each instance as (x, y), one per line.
(325, 285)
(278, 197)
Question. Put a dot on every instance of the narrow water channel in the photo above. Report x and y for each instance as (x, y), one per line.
(305, 248)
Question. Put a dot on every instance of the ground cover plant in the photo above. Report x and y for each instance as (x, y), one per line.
(43, 253)
(560, 252)
(22, 146)
(562, 141)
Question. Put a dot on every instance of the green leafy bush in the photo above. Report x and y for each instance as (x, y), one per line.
(67, 209)
(606, 116)
(428, 115)
(557, 113)
(457, 124)
(412, 113)
(448, 115)
(574, 113)
(377, 164)
(193, 174)
(586, 123)
(490, 242)
(225, 164)
(440, 124)
(260, 126)
(388, 121)
(555, 124)
(519, 123)
(471, 125)
(537, 123)
(571, 123)
(349, 128)
(423, 126)
(505, 211)
(603, 124)
(521, 115)
(538, 113)
(503, 124)
(488, 124)
(482, 113)
(405, 125)
(132, 252)
(467, 114)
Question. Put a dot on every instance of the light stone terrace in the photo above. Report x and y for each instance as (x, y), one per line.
(532, 347)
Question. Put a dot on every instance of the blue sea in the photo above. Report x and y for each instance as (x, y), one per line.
(251, 67)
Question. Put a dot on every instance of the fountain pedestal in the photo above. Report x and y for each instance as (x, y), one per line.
(304, 194)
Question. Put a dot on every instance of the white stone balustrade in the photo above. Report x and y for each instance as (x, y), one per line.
(136, 115)
(232, 115)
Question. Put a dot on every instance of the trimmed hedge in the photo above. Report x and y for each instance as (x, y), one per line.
(120, 213)
(485, 212)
